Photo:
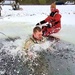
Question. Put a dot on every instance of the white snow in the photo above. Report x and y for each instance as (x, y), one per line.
(21, 22)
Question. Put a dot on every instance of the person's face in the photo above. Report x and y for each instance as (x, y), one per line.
(38, 35)
(52, 9)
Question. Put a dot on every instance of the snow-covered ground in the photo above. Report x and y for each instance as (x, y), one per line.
(18, 24)
(21, 22)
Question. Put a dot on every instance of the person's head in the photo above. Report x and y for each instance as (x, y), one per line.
(53, 7)
(37, 33)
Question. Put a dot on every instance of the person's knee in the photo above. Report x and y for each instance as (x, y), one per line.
(57, 30)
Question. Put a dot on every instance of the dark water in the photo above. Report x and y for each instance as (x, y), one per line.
(60, 61)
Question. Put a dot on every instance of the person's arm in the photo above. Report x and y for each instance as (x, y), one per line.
(57, 18)
(28, 44)
(47, 19)
(41, 22)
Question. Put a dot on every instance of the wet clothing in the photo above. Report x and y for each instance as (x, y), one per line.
(54, 23)
(31, 41)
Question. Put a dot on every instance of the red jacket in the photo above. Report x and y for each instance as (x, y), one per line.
(55, 21)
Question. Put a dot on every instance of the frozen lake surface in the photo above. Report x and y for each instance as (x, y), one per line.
(20, 29)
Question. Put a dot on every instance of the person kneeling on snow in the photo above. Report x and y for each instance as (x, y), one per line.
(53, 20)
(36, 38)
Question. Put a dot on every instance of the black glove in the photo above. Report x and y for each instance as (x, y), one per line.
(41, 22)
(37, 24)
(49, 26)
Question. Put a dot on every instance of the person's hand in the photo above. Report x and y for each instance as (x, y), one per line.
(49, 25)
(41, 22)
(37, 24)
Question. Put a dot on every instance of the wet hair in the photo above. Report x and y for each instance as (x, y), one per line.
(37, 29)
